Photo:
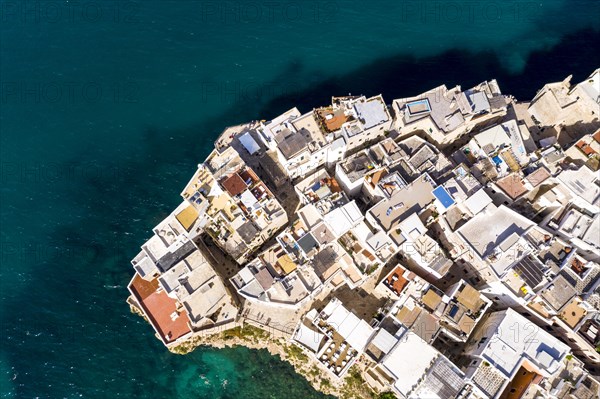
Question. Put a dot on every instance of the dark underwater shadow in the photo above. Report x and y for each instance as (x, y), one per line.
(123, 207)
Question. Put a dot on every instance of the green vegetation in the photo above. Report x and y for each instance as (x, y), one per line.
(314, 371)
(294, 352)
(570, 357)
(247, 333)
(182, 349)
(372, 269)
(387, 395)
(325, 383)
(355, 386)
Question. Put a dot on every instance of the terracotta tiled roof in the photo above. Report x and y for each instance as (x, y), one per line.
(161, 309)
(512, 186)
(585, 148)
(234, 184)
(538, 176)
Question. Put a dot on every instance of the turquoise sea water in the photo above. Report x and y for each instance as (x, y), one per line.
(106, 107)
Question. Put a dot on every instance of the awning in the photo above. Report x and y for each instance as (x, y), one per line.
(249, 143)
(287, 264)
(187, 217)
(309, 338)
(384, 341)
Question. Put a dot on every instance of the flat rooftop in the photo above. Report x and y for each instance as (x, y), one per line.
(372, 112)
(582, 182)
(294, 144)
(405, 201)
(358, 165)
(488, 229)
(504, 349)
(308, 123)
(419, 107)
(408, 373)
(559, 292)
(439, 103)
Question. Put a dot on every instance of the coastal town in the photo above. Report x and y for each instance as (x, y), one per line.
(446, 245)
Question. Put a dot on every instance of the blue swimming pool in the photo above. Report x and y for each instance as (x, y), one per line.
(443, 196)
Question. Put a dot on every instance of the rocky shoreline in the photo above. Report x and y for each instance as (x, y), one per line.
(351, 387)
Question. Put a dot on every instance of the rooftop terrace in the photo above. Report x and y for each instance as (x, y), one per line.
(372, 112)
(357, 166)
(439, 104)
(405, 201)
(331, 118)
(486, 231)
(169, 320)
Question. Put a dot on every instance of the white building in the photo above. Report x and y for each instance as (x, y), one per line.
(505, 345)
(444, 115)
(561, 104)
(353, 171)
(300, 144)
(336, 335)
(370, 119)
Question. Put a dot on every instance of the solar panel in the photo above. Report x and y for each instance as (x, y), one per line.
(531, 270)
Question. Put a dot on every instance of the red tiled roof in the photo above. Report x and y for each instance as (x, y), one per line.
(596, 136)
(512, 185)
(398, 285)
(159, 307)
(538, 176)
(234, 184)
(585, 148)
